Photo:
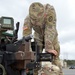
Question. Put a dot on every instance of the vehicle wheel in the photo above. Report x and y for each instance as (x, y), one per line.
(2, 70)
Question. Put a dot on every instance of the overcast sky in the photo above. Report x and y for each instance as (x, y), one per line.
(65, 10)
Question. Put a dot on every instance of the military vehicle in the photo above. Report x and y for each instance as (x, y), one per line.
(15, 55)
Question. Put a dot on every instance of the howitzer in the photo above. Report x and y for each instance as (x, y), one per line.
(7, 36)
(15, 55)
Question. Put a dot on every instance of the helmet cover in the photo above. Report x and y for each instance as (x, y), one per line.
(36, 11)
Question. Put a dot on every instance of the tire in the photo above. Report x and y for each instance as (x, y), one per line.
(2, 70)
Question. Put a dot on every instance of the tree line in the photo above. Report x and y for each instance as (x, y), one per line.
(70, 62)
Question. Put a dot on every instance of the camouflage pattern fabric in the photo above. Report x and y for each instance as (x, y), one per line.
(36, 13)
(43, 20)
(50, 27)
(49, 69)
(27, 29)
(58, 63)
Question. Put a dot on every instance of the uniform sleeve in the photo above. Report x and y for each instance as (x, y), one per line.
(50, 27)
(27, 29)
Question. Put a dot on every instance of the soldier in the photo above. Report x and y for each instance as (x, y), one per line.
(42, 18)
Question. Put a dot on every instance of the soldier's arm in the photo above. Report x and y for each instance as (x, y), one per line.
(50, 28)
(27, 29)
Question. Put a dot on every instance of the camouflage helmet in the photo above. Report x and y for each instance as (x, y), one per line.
(51, 14)
(36, 11)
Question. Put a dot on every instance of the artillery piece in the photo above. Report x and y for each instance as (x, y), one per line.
(15, 55)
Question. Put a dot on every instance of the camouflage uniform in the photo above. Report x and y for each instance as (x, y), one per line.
(49, 69)
(42, 18)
